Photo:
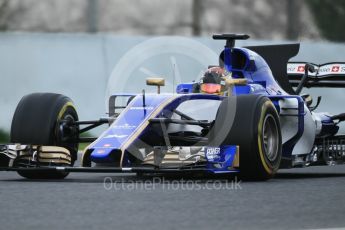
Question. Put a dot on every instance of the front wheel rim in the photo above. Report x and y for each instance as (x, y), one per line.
(270, 138)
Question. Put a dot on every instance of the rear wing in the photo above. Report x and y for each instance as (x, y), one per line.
(326, 75)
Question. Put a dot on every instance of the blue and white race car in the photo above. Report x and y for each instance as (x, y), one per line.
(243, 117)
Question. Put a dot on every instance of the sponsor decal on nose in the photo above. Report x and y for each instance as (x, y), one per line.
(116, 136)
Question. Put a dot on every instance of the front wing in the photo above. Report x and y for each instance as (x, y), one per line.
(223, 159)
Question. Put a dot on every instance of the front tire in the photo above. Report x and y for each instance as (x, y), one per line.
(255, 128)
(36, 121)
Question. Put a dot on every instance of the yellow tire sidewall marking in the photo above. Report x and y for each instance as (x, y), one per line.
(64, 108)
(260, 127)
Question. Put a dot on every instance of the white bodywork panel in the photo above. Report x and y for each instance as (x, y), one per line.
(289, 126)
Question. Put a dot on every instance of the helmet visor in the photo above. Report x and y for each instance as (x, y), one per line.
(210, 88)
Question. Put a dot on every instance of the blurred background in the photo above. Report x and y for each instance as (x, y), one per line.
(72, 46)
(263, 19)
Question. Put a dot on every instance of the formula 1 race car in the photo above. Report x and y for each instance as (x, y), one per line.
(256, 124)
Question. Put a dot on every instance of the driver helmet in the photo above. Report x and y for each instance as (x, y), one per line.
(213, 81)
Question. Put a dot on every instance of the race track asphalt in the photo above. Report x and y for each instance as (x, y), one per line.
(307, 198)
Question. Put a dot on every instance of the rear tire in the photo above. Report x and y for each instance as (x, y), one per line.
(36, 121)
(256, 129)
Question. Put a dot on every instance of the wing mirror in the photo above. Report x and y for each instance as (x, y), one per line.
(230, 83)
(157, 82)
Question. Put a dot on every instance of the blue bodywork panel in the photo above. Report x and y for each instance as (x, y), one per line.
(185, 88)
(125, 125)
(135, 117)
(221, 159)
